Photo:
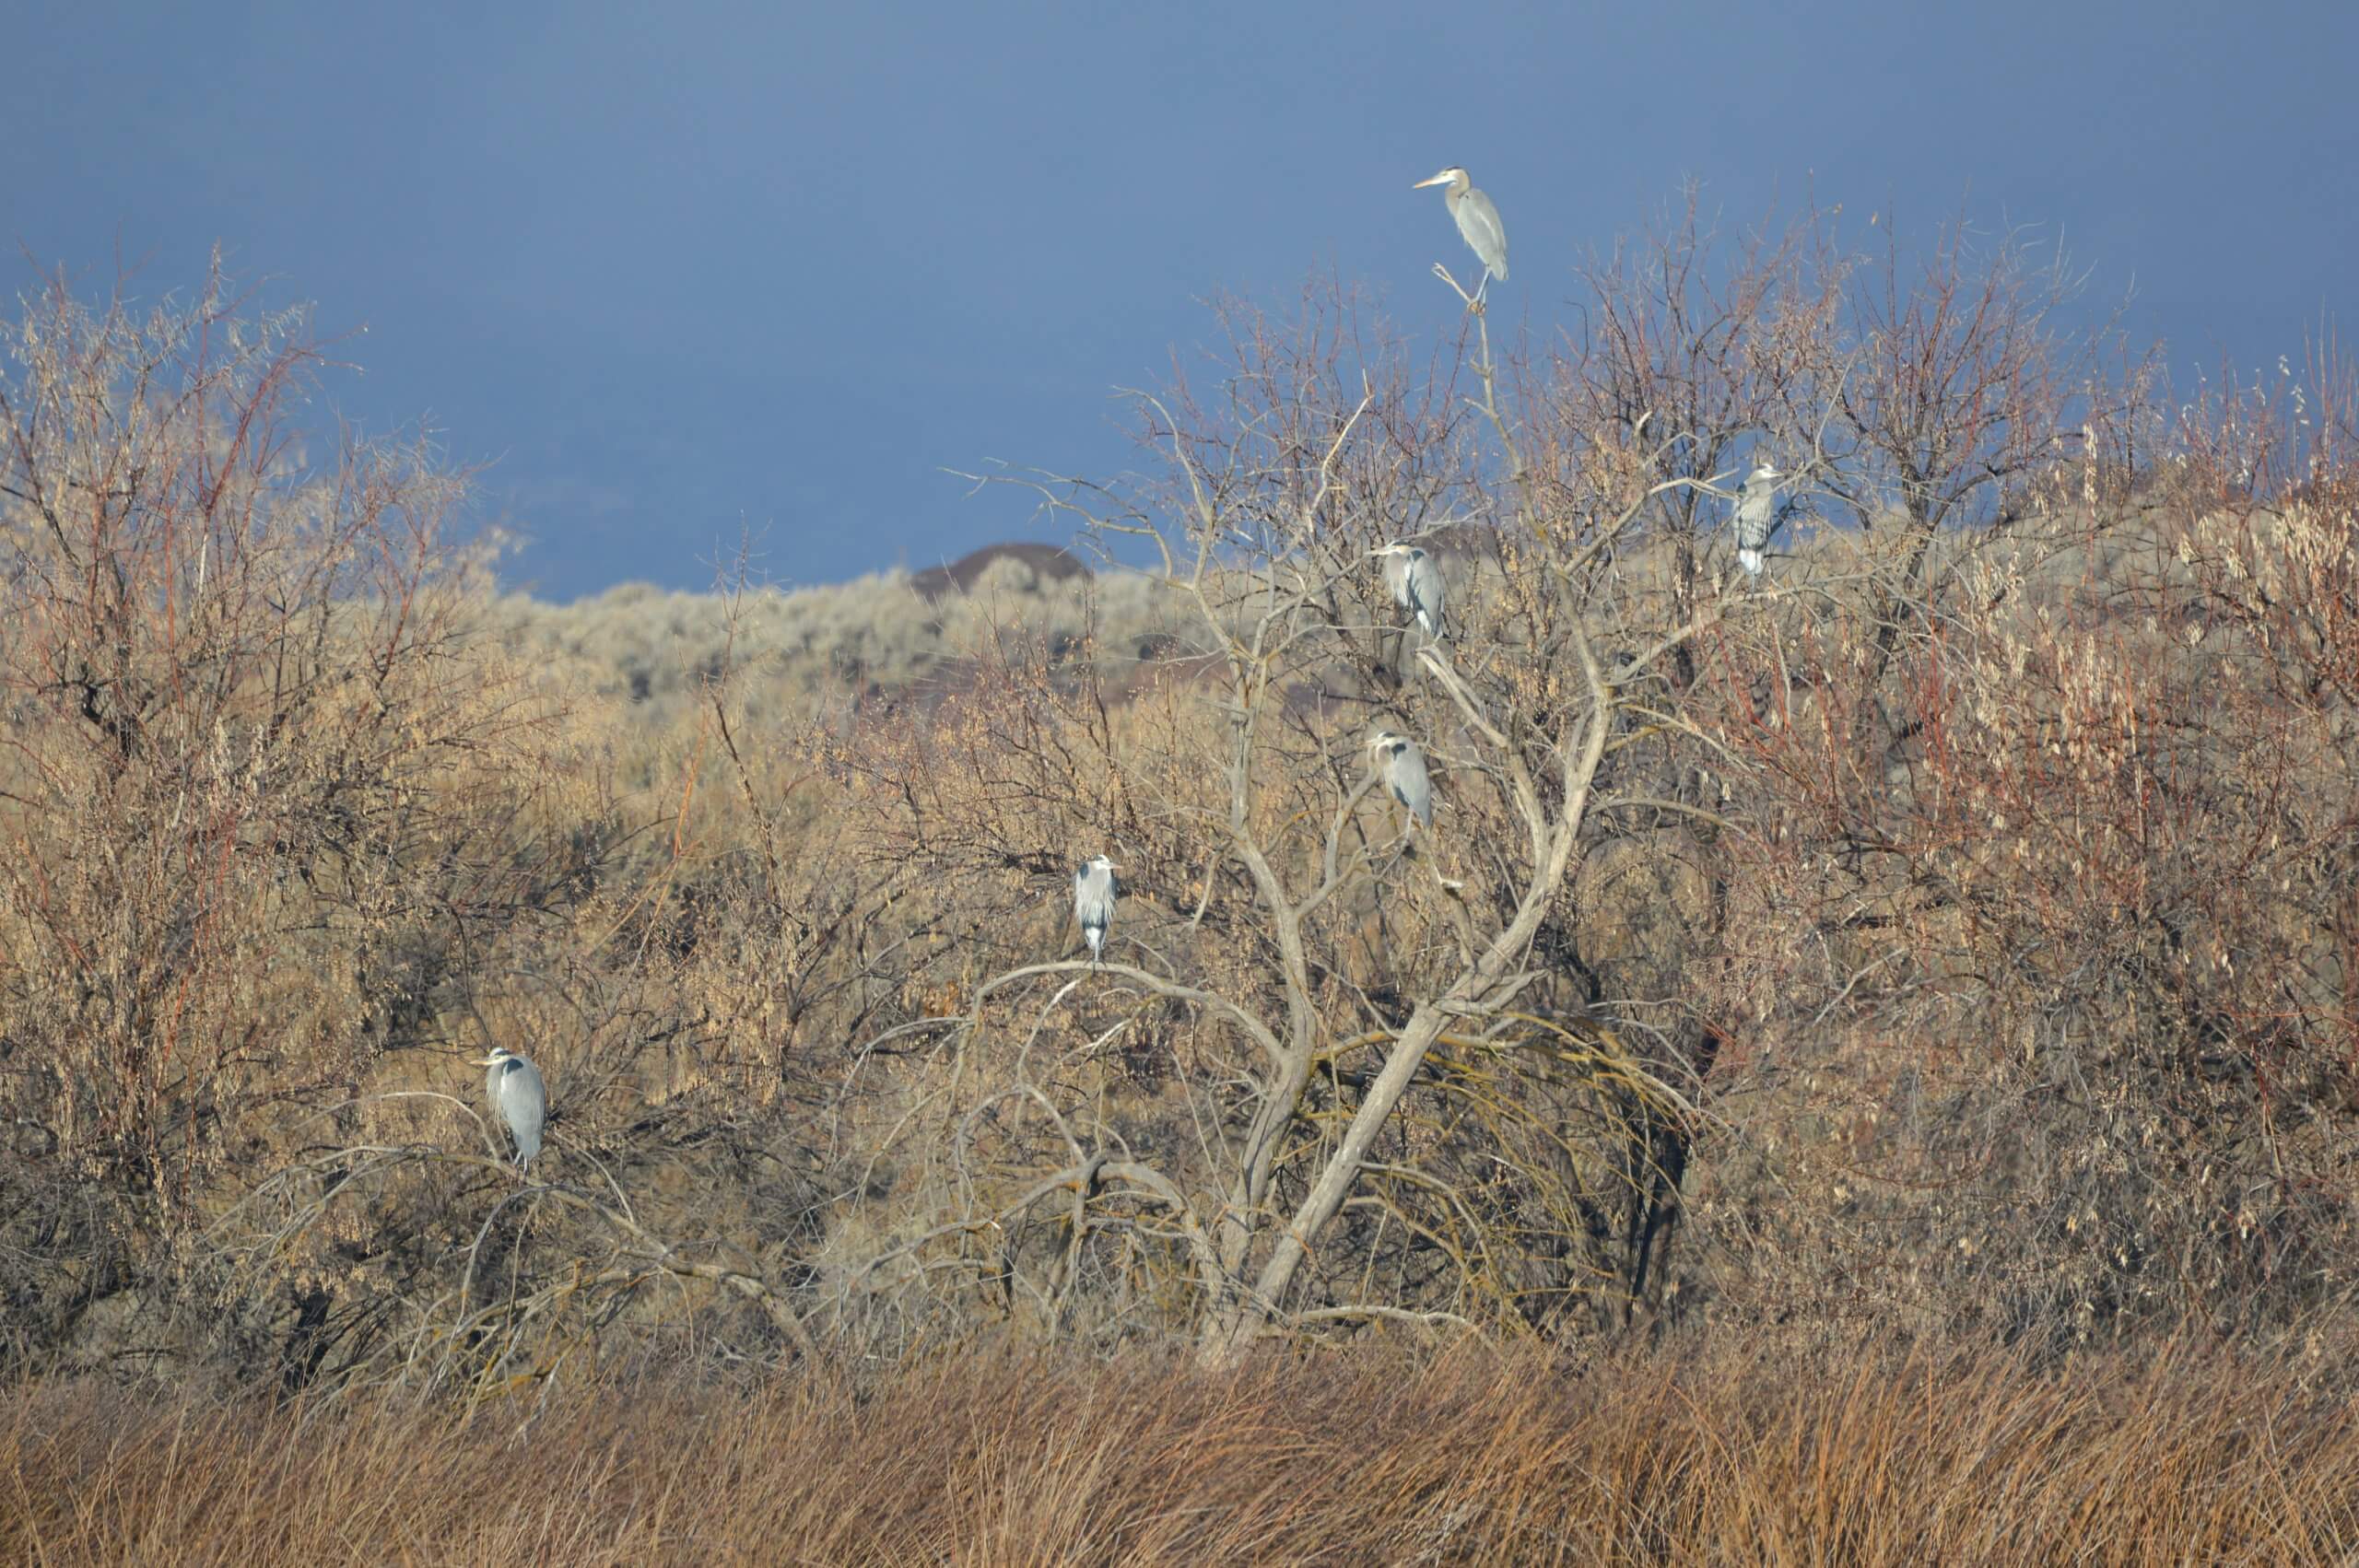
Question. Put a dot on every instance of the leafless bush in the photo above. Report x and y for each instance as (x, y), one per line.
(257, 789)
(283, 831)
(1950, 929)
(1386, 1082)
(2063, 968)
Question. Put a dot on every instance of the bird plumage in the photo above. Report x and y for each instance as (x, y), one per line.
(1757, 516)
(1404, 774)
(1478, 219)
(1093, 901)
(518, 1098)
(1478, 223)
(1425, 590)
(1417, 586)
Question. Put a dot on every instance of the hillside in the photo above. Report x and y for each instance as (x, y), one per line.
(793, 648)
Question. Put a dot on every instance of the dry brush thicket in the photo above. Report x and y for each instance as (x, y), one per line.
(1947, 935)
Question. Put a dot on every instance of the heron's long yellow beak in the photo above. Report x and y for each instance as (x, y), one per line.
(483, 1060)
(1437, 180)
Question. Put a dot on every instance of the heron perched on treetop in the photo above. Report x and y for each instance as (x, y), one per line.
(1756, 516)
(1478, 221)
(519, 1098)
(1415, 582)
(1404, 774)
(1093, 901)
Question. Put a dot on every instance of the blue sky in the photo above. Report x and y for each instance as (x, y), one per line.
(680, 271)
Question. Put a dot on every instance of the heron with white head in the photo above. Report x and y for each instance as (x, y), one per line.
(1756, 516)
(1415, 580)
(519, 1099)
(1093, 901)
(1404, 766)
(1478, 221)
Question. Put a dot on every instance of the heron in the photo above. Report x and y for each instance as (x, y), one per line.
(1093, 901)
(519, 1098)
(1404, 774)
(1416, 583)
(1478, 221)
(1756, 516)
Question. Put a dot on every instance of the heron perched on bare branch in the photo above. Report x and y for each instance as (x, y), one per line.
(1478, 221)
(1404, 774)
(1756, 516)
(1415, 580)
(1093, 901)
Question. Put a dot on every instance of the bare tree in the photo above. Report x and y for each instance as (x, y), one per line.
(1353, 993)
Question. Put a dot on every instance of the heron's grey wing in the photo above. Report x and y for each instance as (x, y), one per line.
(1756, 513)
(1094, 899)
(1426, 589)
(1412, 785)
(525, 1099)
(1478, 221)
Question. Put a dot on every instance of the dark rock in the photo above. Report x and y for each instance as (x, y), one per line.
(1051, 562)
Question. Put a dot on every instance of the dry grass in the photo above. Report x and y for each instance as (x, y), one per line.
(1869, 1455)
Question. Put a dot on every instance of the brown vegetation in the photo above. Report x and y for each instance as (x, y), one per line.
(1869, 1456)
(834, 648)
(1948, 937)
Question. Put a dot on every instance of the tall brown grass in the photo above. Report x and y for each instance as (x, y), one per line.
(1874, 1456)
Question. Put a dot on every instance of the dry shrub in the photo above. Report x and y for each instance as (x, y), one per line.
(1459, 1078)
(263, 798)
(1299, 996)
(1950, 930)
(288, 833)
(2049, 937)
(792, 652)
